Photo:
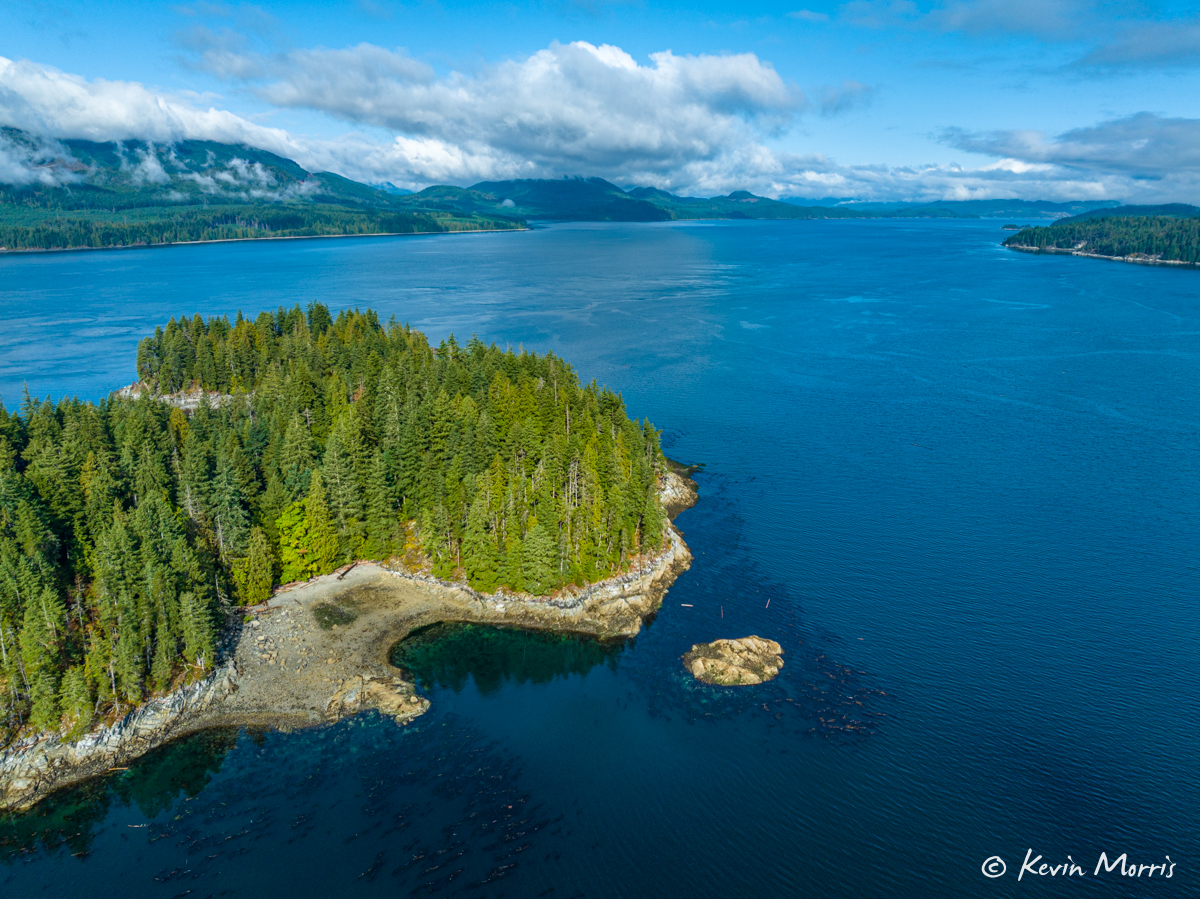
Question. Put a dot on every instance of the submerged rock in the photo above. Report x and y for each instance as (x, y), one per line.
(732, 663)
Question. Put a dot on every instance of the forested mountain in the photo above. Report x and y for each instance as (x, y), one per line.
(130, 530)
(82, 174)
(594, 199)
(1166, 210)
(138, 193)
(1156, 237)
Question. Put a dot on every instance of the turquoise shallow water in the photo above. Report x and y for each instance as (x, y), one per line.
(966, 480)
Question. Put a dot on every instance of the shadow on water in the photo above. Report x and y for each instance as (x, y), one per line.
(154, 784)
(447, 655)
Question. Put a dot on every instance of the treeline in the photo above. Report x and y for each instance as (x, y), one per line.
(129, 528)
(168, 225)
(1169, 238)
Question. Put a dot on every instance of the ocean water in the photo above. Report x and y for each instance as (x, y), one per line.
(958, 484)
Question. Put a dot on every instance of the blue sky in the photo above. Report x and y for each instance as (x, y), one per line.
(874, 99)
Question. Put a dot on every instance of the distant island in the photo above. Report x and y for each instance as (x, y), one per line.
(136, 534)
(1147, 235)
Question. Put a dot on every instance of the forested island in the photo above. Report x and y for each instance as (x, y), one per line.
(133, 533)
(1125, 233)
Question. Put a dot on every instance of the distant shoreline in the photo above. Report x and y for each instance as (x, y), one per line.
(1134, 258)
(4, 251)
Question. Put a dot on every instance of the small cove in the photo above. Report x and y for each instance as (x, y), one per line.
(448, 655)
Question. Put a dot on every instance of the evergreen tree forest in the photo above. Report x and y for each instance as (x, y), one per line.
(26, 229)
(1169, 238)
(131, 530)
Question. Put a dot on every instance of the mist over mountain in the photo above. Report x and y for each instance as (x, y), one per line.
(235, 190)
(82, 174)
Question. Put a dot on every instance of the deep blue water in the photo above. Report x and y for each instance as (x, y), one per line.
(966, 480)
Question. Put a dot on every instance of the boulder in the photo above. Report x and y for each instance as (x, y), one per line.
(733, 663)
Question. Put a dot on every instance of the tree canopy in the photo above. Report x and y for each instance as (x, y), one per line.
(30, 228)
(130, 529)
(1168, 238)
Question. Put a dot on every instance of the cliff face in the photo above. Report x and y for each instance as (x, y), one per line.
(319, 652)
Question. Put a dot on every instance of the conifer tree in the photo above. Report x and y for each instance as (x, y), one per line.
(230, 519)
(339, 436)
(539, 559)
(297, 457)
(40, 655)
(345, 499)
(481, 559)
(308, 544)
(76, 701)
(382, 518)
(255, 574)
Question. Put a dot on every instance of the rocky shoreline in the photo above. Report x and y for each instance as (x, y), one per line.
(1134, 258)
(319, 652)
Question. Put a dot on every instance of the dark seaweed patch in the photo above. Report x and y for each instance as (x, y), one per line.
(329, 614)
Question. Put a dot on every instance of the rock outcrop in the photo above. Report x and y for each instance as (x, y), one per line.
(319, 652)
(390, 696)
(735, 663)
(33, 767)
(677, 492)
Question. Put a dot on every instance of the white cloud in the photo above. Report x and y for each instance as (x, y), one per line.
(1143, 146)
(43, 100)
(147, 169)
(695, 125)
(568, 108)
(31, 160)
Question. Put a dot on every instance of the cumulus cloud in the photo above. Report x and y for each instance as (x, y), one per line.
(567, 108)
(43, 100)
(697, 125)
(1143, 157)
(1144, 146)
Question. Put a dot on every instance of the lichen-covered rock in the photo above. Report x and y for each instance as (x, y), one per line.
(735, 663)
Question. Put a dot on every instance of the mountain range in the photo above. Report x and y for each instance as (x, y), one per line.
(87, 193)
